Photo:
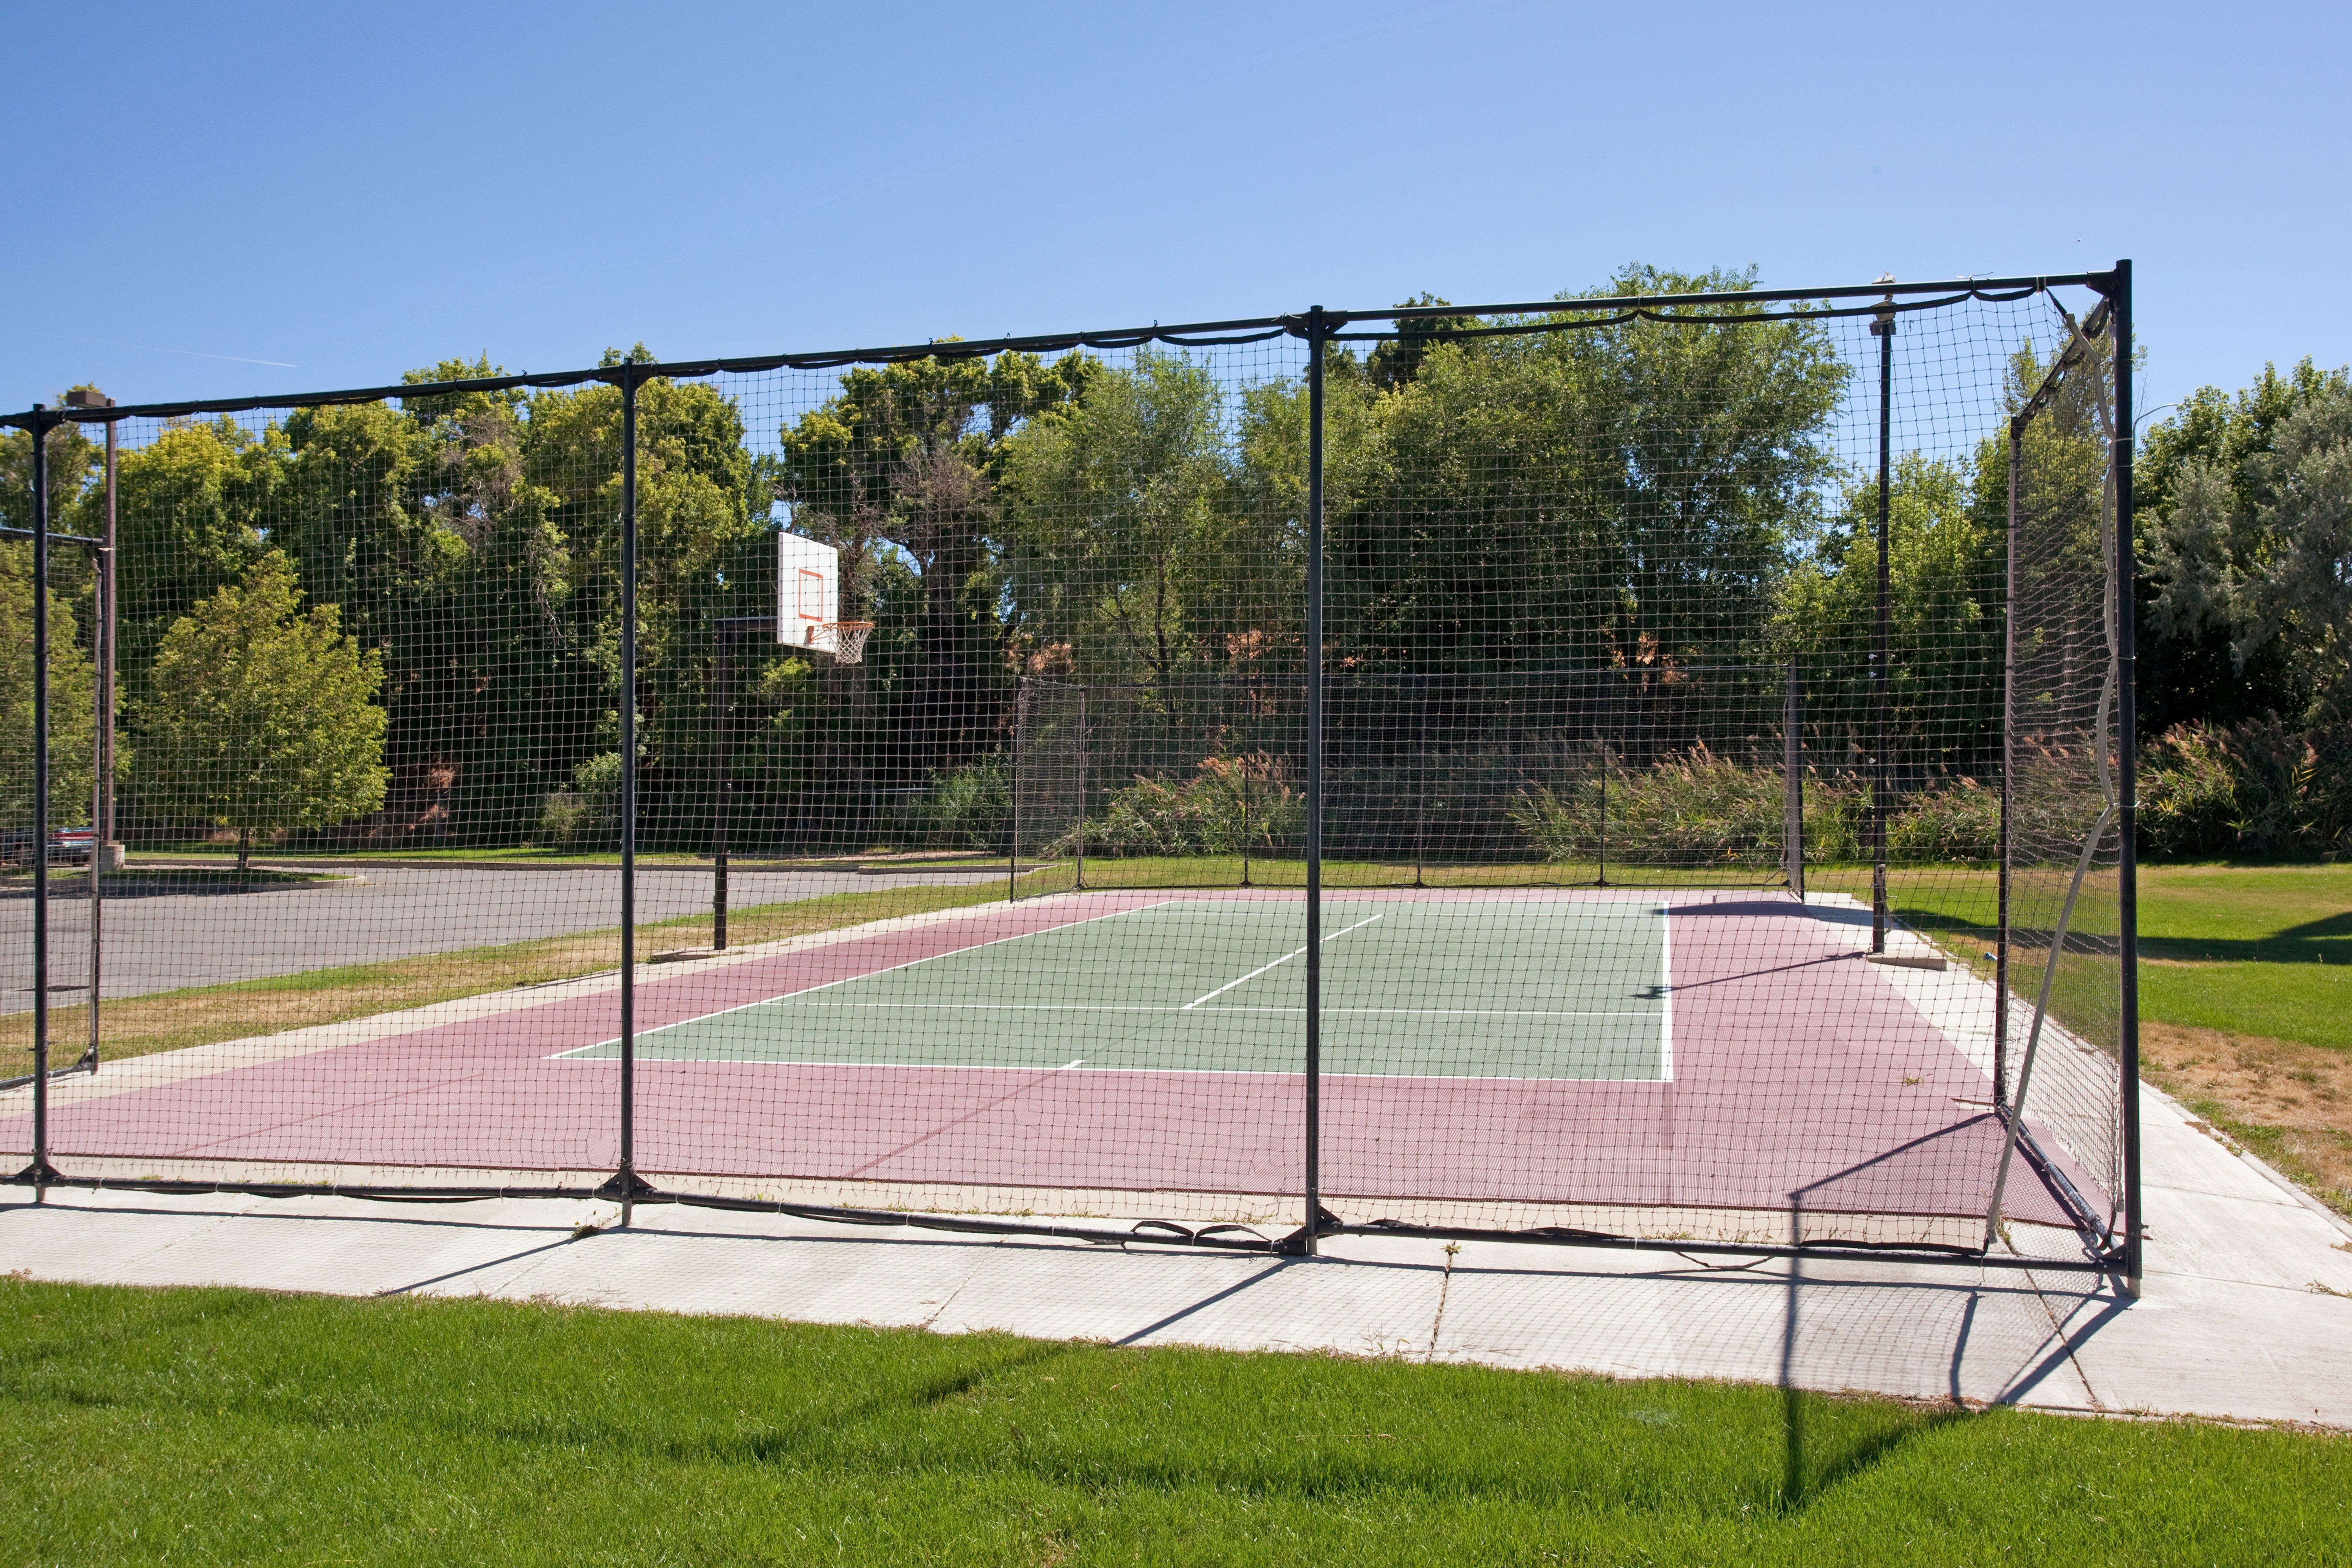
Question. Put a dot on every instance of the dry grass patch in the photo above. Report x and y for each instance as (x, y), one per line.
(2288, 1102)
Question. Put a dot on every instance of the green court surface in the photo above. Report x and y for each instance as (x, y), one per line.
(1448, 989)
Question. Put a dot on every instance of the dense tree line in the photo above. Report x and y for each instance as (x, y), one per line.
(1642, 496)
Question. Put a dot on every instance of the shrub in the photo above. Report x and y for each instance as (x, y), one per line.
(1955, 821)
(2256, 788)
(1229, 803)
(1449, 806)
(1699, 809)
(588, 814)
(972, 806)
(2188, 793)
(1694, 809)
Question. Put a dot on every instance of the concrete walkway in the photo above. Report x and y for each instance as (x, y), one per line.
(2247, 1313)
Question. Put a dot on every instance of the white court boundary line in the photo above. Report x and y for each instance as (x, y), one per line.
(1664, 1013)
(1238, 1007)
(1035, 1069)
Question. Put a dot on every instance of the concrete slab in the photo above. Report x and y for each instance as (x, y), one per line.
(2247, 1313)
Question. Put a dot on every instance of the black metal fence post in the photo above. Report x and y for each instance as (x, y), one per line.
(40, 1172)
(626, 1184)
(2127, 770)
(722, 795)
(1243, 761)
(724, 630)
(1883, 328)
(1318, 328)
(1601, 808)
(1421, 779)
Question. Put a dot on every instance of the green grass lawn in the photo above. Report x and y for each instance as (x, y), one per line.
(226, 1426)
(2254, 950)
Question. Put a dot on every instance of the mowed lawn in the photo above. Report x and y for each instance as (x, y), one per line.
(2254, 950)
(2246, 998)
(228, 1426)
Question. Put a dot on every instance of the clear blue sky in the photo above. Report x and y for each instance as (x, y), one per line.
(349, 190)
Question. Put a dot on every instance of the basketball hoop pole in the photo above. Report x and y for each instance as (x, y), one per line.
(724, 630)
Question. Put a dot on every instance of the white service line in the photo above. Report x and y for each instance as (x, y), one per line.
(1254, 974)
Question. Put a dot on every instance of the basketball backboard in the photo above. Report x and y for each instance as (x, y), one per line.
(808, 592)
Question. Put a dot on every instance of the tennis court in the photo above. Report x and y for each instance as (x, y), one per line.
(1668, 1054)
(1472, 990)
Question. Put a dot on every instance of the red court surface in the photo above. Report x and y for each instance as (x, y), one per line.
(1802, 1076)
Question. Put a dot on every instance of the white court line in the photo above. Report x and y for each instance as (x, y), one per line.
(1033, 1070)
(975, 947)
(1666, 994)
(1664, 1012)
(1119, 1007)
(1277, 963)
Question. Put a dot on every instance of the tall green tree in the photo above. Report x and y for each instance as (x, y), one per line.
(1945, 559)
(1119, 517)
(73, 719)
(73, 458)
(193, 509)
(900, 470)
(262, 716)
(1597, 493)
(2245, 529)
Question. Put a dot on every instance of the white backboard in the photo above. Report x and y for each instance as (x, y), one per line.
(808, 592)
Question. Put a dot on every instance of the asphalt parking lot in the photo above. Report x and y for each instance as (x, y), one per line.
(159, 936)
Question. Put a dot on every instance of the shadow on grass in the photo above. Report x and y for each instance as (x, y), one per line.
(2325, 941)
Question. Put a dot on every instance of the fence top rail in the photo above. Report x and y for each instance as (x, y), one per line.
(1599, 309)
(1777, 668)
(1948, 292)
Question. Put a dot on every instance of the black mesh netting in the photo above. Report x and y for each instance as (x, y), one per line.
(1677, 872)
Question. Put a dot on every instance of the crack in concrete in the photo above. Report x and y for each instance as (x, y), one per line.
(949, 1300)
(1444, 1287)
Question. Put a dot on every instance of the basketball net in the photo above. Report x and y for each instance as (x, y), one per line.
(849, 640)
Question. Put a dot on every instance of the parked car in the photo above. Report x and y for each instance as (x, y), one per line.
(68, 846)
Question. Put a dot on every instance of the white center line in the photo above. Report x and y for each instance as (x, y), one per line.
(1165, 1008)
(1254, 974)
